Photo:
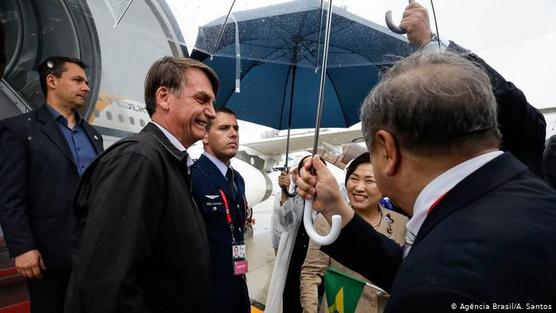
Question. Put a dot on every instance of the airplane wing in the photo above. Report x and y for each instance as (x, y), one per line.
(550, 110)
(277, 146)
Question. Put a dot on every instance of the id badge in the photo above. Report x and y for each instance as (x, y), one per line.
(238, 252)
(240, 267)
(239, 258)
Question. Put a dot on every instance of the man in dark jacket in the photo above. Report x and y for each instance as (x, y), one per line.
(523, 127)
(219, 190)
(42, 155)
(142, 244)
(476, 212)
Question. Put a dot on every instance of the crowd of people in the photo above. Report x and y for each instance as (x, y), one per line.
(141, 227)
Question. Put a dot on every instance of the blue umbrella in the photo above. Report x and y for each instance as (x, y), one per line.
(279, 51)
(275, 54)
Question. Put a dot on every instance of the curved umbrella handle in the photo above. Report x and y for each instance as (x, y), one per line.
(308, 223)
(393, 27)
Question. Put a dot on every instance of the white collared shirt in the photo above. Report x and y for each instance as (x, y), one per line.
(434, 47)
(175, 142)
(437, 188)
(223, 168)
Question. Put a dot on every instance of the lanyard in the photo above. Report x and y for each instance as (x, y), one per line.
(228, 215)
(435, 204)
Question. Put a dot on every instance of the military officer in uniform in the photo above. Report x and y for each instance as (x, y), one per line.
(219, 191)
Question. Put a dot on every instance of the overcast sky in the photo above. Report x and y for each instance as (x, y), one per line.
(517, 37)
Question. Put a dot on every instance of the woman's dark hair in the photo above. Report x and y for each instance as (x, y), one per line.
(362, 159)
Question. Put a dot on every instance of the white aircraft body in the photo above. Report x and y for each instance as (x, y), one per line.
(118, 59)
(117, 118)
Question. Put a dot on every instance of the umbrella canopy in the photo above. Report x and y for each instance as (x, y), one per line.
(280, 51)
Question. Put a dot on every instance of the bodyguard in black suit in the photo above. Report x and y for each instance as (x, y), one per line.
(219, 191)
(482, 226)
(42, 155)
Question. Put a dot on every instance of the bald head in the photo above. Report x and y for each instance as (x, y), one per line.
(434, 103)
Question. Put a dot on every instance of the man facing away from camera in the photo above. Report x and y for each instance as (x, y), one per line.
(477, 213)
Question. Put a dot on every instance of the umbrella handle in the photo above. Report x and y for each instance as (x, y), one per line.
(310, 229)
(393, 27)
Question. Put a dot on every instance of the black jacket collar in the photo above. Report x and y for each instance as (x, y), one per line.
(152, 129)
(215, 175)
(486, 178)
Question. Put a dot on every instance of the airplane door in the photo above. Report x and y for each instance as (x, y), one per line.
(36, 29)
(30, 31)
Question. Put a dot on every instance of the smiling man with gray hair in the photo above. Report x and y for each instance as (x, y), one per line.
(477, 213)
(141, 244)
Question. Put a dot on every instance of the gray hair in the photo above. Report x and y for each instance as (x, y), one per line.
(433, 103)
(170, 72)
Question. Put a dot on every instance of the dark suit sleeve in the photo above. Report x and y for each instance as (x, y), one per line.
(425, 298)
(13, 192)
(367, 252)
(125, 201)
(522, 126)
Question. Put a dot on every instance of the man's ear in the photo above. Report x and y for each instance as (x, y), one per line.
(51, 81)
(386, 147)
(205, 139)
(163, 98)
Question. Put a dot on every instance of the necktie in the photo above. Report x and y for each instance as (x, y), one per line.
(409, 239)
(185, 168)
(231, 181)
(410, 236)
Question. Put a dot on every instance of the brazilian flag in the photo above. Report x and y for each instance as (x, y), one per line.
(342, 291)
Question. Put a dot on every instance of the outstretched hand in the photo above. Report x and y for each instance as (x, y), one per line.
(416, 23)
(284, 180)
(322, 188)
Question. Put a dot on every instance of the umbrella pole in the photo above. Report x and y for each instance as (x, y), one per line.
(123, 13)
(318, 40)
(308, 207)
(222, 29)
(287, 147)
(323, 75)
(293, 68)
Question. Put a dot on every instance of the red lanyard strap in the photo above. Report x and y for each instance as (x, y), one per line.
(226, 207)
(228, 215)
(435, 203)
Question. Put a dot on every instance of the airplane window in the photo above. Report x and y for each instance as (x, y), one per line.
(109, 115)
(120, 118)
(97, 113)
(141, 122)
(131, 120)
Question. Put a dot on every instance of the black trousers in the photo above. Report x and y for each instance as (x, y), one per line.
(48, 293)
